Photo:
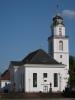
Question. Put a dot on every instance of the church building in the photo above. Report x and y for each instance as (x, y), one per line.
(40, 71)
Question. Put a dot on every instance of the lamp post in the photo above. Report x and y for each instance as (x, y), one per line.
(50, 87)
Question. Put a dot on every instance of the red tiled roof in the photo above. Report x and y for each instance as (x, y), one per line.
(6, 75)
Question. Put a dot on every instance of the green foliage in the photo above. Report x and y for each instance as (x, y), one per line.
(72, 69)
(72, 61)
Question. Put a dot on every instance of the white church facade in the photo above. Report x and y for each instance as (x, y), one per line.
(40, 71)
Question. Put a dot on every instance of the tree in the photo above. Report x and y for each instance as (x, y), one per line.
(72, 70)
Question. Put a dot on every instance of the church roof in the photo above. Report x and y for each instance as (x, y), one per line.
(5, 75)
(16, 63)
(37, 57)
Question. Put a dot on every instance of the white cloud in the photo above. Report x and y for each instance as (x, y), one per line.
(68, 13)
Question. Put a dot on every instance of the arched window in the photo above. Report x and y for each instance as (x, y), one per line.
(60, 45)
(60, 31)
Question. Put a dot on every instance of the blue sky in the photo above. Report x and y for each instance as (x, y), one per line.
(25, 26)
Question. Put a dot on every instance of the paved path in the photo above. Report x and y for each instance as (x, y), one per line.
(43, 99)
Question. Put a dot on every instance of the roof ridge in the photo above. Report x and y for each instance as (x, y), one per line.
(37, 57)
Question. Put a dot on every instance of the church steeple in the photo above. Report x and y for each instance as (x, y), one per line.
(58, 27)
(58, 42)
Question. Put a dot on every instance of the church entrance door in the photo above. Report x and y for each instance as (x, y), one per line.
(45, 89)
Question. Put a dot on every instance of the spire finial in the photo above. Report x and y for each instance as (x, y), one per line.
(57, 11)
(58, 8)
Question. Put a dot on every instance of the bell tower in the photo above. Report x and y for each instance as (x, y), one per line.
(58, 42)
